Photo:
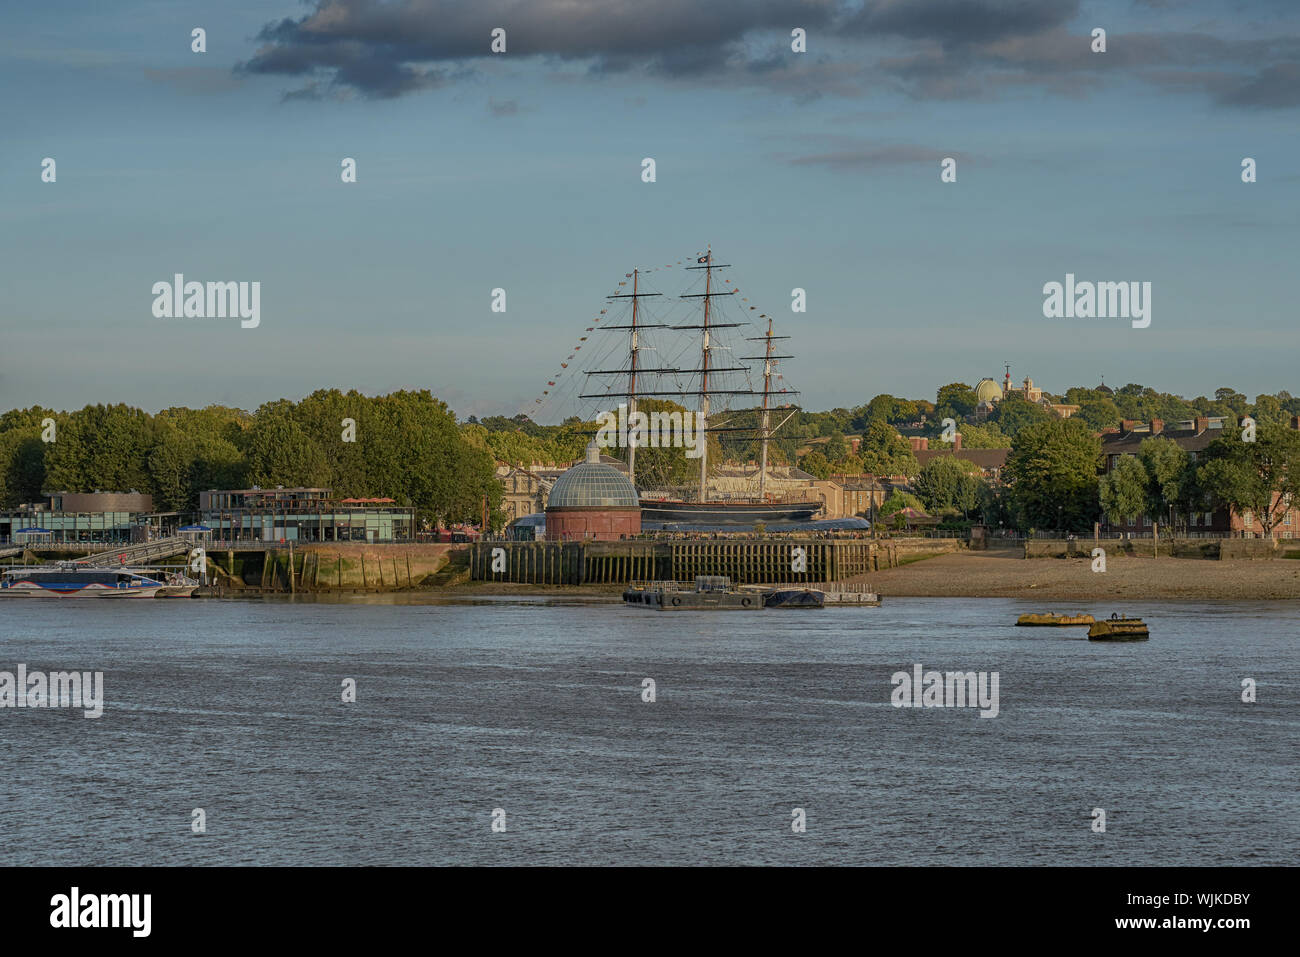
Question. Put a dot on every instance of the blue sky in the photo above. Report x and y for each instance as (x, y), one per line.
(522, 171)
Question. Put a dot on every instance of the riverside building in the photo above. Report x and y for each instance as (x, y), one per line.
(302, 515)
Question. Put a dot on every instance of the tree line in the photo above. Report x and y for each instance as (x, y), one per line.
(406, 446)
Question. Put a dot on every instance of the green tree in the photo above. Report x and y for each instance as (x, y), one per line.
(1268, 411)
(836, 447)
(815, 463)
(849, 465)
(1098, 411)
(279, 451)
(887, 409)
(1262, 477)
(183, 464)
(22, 456)
(986, 436)
(895, 502)
(421, 459)
(1052, 473)
(956, 400)
(1233, 399)
(947, 482)
(346, 449)
(102, 447)
(884, 452)
(1170, 476)
(1015, 413)
(1123, 490)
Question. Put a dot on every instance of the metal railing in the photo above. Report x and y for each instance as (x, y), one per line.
(143, 552)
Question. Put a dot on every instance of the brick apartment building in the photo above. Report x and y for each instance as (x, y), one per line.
(1192, 436)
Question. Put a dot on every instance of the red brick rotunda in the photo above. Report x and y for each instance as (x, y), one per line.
(592, 502)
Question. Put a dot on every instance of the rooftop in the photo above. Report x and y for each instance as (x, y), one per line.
(593, 484)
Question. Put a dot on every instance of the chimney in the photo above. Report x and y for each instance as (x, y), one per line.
(956, 442)
(857, 444)
(918, 443)
(1126, 425)
(1202, 423)
(1157, 426)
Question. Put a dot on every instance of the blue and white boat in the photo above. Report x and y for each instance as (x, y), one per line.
(70, 580)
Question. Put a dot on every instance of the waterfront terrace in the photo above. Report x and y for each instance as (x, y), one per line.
(302, 515)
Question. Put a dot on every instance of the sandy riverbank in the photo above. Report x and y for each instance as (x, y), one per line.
(1003, 574)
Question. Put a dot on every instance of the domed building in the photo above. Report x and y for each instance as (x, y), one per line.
(592, 501)
(986, 390)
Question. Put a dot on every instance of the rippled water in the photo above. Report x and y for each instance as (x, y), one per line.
(534, 707)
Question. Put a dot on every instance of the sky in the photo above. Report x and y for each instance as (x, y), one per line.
(522, 171)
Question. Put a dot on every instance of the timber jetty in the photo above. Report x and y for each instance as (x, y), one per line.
(746, 561)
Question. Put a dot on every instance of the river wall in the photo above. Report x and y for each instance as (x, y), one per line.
(336, 567)
(1223, 549)
(744, 561)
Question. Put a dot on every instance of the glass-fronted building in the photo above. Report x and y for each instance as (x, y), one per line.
(79, 517)
(302, 515)
(27, 528)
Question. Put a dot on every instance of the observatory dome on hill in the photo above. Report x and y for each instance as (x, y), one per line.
(986, 390)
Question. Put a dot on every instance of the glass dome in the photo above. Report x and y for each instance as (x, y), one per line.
(592, 484)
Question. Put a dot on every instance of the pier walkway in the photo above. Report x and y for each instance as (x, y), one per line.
(137, 554)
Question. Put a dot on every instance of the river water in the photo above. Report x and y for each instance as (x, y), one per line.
(534, 707)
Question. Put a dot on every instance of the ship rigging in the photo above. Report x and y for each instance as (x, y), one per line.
(713, 381)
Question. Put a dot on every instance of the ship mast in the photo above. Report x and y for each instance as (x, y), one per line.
(765, 431)
(702, 427)
(706, 347)
(636, 370)
(634, 349)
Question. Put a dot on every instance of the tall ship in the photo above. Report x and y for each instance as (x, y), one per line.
(702, 371)
(72, 580)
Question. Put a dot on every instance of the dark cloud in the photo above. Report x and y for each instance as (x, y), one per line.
(1274, 86)
(379, 47)
(959, 22)
(926, 49)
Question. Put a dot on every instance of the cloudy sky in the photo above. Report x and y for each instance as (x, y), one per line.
(522, 171)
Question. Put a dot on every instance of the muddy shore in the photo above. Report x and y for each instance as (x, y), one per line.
(1003, 574)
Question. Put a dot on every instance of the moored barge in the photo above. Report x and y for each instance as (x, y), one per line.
(1116, 628)
(713, 592)
(1050, 620)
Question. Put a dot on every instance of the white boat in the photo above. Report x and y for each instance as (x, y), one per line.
(71, 580)
(178, 586)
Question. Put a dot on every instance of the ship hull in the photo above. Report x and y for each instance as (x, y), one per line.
(719, 513)
(19, 590)
(70, 581)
